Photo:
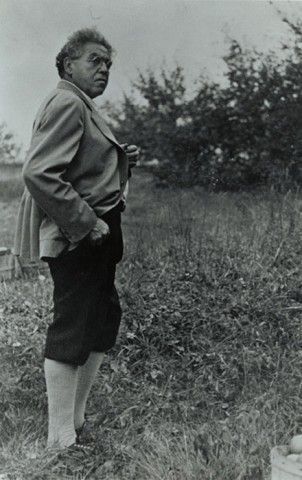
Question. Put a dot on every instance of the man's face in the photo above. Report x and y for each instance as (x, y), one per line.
(90, 72)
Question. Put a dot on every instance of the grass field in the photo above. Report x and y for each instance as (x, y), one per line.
(206, 376)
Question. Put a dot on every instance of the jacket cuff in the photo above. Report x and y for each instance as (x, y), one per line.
(76, 233)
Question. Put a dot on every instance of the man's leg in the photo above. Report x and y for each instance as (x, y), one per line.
(86, 376)
(61, 382)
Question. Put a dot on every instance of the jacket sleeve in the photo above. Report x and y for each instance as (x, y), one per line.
(56, 137)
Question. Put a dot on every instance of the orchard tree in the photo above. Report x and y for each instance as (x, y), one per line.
(9, 150)
(244, 134)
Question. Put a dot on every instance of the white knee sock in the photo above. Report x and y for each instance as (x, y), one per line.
(61, 382)
(86, 376)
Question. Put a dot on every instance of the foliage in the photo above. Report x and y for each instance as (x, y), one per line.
(9, 149)
(11, 188)
(228, 137)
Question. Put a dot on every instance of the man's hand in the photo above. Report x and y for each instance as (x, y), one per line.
(99, 233)
(132, 152)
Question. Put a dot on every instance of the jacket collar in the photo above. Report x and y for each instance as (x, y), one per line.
(96, 117)
(66, 85)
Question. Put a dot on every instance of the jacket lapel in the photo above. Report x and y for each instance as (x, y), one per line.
(101, 124)
(96, 117)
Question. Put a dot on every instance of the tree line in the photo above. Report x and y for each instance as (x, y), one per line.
(245, 134)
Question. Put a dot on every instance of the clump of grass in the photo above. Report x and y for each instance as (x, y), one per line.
(11, 189)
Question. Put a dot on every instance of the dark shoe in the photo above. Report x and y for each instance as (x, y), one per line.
(80, 448)
(85, 434)
(76, 451)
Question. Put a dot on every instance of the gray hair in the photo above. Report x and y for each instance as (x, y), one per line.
(74, 46)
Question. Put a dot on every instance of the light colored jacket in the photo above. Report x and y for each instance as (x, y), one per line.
(75, 171)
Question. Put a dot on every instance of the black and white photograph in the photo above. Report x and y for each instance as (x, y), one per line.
(151, 240)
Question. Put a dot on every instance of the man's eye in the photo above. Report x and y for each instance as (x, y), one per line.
(98, 60)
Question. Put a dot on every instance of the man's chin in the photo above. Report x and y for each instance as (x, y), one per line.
(98, 91)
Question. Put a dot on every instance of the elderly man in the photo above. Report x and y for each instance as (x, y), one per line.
(70, 215)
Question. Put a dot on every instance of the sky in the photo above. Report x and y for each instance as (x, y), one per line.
(144, 33)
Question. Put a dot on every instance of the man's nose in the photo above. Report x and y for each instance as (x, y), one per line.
(103, 67)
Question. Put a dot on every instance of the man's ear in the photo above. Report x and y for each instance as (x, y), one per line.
(67, 62)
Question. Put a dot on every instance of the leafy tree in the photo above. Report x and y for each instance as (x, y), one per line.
(9, 150)
(245, 134)
(156, 122)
